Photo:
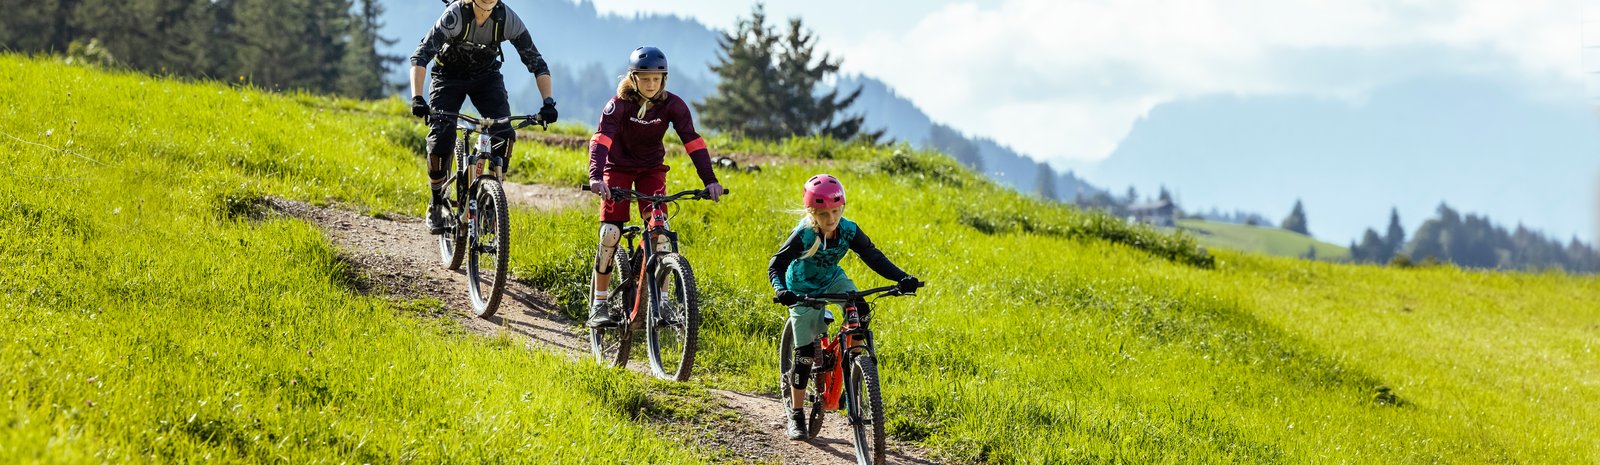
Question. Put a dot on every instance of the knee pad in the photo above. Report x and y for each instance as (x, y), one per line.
(610, 235)
(800, 367)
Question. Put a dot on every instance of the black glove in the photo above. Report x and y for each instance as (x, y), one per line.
(786, 297)
(419, 107)
(909, 284)
(548, 111)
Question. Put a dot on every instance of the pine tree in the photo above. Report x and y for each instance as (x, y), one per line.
(1045, 185)
(1373, 249)
(769, 82)
(362, 70)
(1395, 239)
(747, 95)
(1296, 222)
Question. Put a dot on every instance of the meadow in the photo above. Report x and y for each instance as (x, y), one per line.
(1262, 240)
(157, 312)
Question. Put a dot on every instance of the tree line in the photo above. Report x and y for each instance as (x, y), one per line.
(1473, 241)
(328, 46)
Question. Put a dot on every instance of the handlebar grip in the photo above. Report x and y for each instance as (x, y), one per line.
(585, 187)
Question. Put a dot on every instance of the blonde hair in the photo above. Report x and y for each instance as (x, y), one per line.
(808, 221)
(627, 89)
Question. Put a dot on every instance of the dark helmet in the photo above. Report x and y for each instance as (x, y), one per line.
(647, 59)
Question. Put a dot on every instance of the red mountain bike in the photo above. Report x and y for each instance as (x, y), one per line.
(844, 372)
(656, 293)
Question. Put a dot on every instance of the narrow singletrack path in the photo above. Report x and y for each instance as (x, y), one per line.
(397, 257)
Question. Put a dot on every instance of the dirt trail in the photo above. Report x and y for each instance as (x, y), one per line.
(398, 257)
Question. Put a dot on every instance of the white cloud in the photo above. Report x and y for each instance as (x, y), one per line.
(1066, 79)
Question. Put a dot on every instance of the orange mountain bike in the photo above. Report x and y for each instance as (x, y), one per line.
(844, 372)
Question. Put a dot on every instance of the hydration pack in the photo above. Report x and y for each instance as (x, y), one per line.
(462, 56)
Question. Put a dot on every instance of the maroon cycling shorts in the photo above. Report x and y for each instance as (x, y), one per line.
(648, 180)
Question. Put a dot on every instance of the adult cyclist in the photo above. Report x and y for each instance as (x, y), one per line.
(464, 46)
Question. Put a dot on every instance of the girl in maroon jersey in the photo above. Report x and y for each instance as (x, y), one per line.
(627, 152)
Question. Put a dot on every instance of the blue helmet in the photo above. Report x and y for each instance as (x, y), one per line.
(647, 59)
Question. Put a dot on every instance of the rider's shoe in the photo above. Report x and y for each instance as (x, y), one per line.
(797, 424)
(600, 315)
(436, 213)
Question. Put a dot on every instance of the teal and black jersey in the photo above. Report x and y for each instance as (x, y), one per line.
(809, 275)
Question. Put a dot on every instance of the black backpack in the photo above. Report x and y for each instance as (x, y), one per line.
(498, 18)
(467, 56)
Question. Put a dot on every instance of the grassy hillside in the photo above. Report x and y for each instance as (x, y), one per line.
(148, 322)
(1049, 335)
(148, 319)
(1270, 241)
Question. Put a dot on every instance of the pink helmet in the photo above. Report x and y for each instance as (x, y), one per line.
(824, 191)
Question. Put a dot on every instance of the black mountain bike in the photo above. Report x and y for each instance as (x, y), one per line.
(477, 216)
(831, 387)
(654, 291)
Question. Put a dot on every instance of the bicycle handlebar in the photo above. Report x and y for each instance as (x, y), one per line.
(692, 194)
(483, 123)
(852, 295)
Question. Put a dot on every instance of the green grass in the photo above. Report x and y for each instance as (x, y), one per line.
(1269, 241)
(155, 314)
(1047, 335)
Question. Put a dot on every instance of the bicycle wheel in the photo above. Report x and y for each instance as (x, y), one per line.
(673, 324)
(489, 248)
(453, 243)
(866, 410)
(611, 346)
(785, 362)
(814, 388)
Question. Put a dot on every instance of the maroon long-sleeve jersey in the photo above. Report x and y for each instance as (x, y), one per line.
(626, 141)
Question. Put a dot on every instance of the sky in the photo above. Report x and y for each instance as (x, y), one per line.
(1086, 70)
(1066, 81)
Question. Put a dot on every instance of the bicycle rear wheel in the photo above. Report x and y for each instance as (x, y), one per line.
(612, 345)
(866, 409)
(453, 243)
(673, 324)
(785, 362)
(814, 388)
(489, 248)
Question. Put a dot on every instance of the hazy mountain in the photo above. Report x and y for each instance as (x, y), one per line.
(1481, 144)
(587, 51)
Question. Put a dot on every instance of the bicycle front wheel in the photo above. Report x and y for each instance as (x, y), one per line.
(673, 324)
(866, 410)
(489, 248)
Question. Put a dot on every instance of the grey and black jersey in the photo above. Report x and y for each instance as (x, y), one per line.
(479, 49)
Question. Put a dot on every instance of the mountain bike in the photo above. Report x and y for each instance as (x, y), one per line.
(831, 387)
(477, 217)
(656, 293)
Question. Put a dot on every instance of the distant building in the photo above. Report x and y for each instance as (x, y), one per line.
(1158, 213)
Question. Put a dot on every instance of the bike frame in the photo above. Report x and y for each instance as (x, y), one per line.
(482, 150)
(853, 339)
(655, 227)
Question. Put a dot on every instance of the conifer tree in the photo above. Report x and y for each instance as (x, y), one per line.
(1296, 221)
(768, 85)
